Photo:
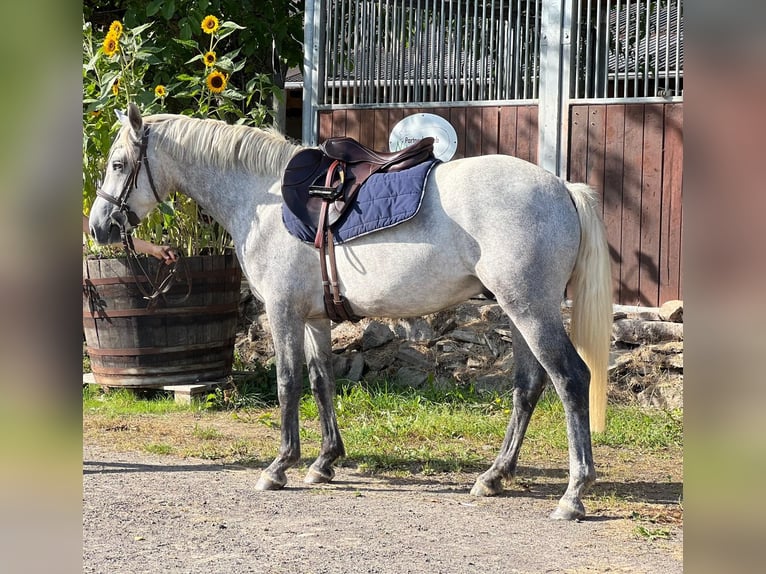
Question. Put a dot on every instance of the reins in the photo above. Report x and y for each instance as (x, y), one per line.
(167, 275)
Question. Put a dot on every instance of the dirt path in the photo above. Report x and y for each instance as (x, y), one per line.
(148, 513)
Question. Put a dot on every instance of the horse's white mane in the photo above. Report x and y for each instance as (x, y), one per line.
(216, 143)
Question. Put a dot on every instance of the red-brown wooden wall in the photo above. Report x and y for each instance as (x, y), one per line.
(631, 153)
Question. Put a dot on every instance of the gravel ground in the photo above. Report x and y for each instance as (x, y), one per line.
(147, 513)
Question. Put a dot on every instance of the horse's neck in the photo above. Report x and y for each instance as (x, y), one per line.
(230, 188)
(233, 199)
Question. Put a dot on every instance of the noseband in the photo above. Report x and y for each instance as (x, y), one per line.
(130, 184)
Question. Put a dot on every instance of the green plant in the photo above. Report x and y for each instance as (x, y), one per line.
(117, 69)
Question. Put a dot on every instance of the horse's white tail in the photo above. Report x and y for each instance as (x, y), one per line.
(592, 300)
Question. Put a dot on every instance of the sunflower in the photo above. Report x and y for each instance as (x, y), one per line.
(116, 87)
(115, 28)
(209, 59)
(216, 82)
(160, 91)
(111, 45)
(210, 24)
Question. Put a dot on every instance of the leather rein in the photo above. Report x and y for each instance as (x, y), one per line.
(166, 275)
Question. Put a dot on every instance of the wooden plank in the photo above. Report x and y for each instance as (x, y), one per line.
(381, 131)
(325, 126)
(651, 199)
(523, 129)
(489, 129)
(596, 150)
(338, 123)
(457, 119)
(613, 188)
(473, 119)
(506, 143)
(672, 214)
(395, 115)
(353, 124)
(578, 144)
(631, 198)
(524, 133)
(366, 119)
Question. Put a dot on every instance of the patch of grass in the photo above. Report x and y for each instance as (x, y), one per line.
(129, 402)
(206, 433)
(652, 429)
(158, 448)
(652, 533)
(385, 427)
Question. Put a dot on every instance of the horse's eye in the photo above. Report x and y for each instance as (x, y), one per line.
(117, 165)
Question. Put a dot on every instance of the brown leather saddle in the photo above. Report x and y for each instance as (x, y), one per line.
(320, 184)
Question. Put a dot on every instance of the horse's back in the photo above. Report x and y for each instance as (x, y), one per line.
(504, 198)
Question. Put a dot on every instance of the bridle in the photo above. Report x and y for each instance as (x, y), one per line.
(167, 275)
(124, 214)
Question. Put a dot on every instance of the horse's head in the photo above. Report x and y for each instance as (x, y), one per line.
(127, 193)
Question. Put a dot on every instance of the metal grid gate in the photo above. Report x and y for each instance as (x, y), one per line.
(416, 51)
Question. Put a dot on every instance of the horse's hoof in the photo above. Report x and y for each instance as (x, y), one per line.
(481, 488)
(268, 482)
(317, 476)
(565, 511)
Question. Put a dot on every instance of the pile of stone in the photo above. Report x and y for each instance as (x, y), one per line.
(471, 345)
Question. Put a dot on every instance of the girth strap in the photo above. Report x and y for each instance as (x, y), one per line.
(336, 305)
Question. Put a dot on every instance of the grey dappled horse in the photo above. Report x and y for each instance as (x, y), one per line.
(492, 223)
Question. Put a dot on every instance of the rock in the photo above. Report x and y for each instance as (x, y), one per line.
(356, 367)
(492, 383)
(466, 336)
(340, 365)
(672, 311)
(381, 358)
(375, 335)
(416, 329)
(414, 357)
(412, 377)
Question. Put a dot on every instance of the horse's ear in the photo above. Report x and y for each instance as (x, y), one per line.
(121, 116)
(136, 122)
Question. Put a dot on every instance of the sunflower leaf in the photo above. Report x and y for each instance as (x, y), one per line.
(138, 29)
(188, 43)
(153, 7)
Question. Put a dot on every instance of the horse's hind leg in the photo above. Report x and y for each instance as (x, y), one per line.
(543, 331)
(549, 342)
(319, 361)
(529, 380)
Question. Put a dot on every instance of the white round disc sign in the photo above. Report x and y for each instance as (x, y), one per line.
(418, 126)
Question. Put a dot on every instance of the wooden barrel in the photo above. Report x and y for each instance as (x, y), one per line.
(176, 340)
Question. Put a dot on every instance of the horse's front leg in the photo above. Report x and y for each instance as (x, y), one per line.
(287, 333)
(319, 361)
